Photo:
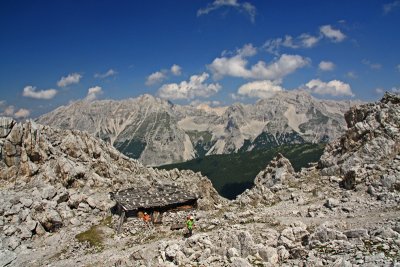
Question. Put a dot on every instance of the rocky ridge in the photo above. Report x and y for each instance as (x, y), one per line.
(52, 179)
(157, 132)
(315, 217)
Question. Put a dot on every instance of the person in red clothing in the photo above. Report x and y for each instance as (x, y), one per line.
(147, 219)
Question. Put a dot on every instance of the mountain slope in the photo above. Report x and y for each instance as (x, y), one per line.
(233, 173)
(307, 218)
(157, 132)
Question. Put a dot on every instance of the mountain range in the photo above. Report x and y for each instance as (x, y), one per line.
(157, 132)
(343, 211)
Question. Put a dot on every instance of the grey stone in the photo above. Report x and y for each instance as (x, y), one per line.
(75, 221)
(239, 262)
(23, 214)
(283, 254)
(349, 180)
(25, 232)
(232, 252)
(31, 224)
(246, 243)
(62, 195)
(270, 237)
(48, 192)
(356, 233)
(331, 203)
(75, 199)
(9, 230)
(39, 230)
(27, 202)
(269, 254)
(7, 257)
(50, 220)
(13, 242)
(323, 235)
(83, 207)
(15, 209)
(171, 251)
(341, 263)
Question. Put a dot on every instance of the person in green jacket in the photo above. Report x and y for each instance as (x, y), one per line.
(190, 225)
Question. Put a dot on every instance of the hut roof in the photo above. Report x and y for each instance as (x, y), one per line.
(152, 196)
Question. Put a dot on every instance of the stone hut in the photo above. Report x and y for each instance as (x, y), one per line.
(152, 199)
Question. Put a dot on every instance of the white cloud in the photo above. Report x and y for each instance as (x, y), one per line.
(155, 78)
(379, 90)
(70, 79)
(374, 66)
(326, 65)
(334, 88)
(304, 40)
(352, 75)
(176, 70)
(160, 76)
(22, 113)
(280, 68)
(189, 90)
(6, 110)
(236, 65)
(398, 68)
(260, 89)
(308, 41)
(30, 91)
(93, 93)
(245, 7)
(331, 33)
(9, 111)
(237, 97)
(196, 103)
(109, 73)
(387, 8)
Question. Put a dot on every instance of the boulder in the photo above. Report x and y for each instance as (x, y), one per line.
(50, 220)
(269, 254)
(331, 203)
(27, 202)
(13, 242)
(356, 233)
(239, 262)
(323, 235)
(48, 192)
(7, 257)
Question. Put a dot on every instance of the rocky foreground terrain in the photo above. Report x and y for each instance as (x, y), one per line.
(343, 211)
(157, 132)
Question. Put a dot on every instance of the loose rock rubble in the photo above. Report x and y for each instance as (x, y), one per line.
(343, 212)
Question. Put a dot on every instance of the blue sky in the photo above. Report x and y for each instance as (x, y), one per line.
(198, 51)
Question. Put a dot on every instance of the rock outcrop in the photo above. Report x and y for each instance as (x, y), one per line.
(275, 177)
(344, 212)
(52, 178)
(369, 150)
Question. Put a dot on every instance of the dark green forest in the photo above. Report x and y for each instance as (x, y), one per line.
(231, 174)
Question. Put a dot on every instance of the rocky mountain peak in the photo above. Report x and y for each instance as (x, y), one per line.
(371, 141)
(276, 176)
(157, 132)
(54, 185)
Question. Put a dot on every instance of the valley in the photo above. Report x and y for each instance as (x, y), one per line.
(231, 174)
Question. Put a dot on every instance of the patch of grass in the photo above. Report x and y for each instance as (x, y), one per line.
(107, 221)
(95, 236)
